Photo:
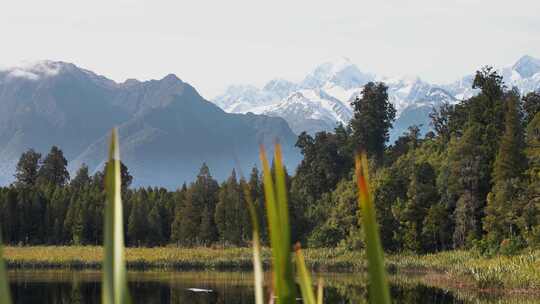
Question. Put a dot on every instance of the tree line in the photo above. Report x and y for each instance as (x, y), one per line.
(471, 182)
(43, 206)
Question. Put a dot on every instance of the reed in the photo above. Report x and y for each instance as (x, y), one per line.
(284, 288)
(258, 273)
(379, 291)
(115, 289)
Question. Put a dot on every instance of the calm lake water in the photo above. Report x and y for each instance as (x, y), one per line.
(53, 286)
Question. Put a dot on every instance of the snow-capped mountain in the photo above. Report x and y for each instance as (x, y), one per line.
(322, 99)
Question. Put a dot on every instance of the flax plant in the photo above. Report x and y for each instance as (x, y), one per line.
(115, 289)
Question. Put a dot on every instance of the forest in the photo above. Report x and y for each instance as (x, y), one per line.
(472, 182)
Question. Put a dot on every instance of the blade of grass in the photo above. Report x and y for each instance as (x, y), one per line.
(278, 224)
(320, 295)
(5, 297)
(257, 261)
(115, 289)
(283, 218)
(306, 286)
(378, 284)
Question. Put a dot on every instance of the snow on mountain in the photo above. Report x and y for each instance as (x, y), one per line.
(340, 72)
(319, 111)
(322, 99)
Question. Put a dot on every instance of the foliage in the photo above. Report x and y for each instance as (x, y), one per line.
(373, 117)
(53, 168)
(26, 172)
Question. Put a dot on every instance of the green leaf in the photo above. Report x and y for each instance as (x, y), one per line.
(306, 286)
(278, 224)
(320, 295)
(115, 289)
(378, 284)
(257, 260)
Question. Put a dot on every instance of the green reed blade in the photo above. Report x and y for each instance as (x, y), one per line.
(306, 286)
(257, 260)
(378, 284)
(5, 297)
(115, 289)
(320, 288)
(280, 234)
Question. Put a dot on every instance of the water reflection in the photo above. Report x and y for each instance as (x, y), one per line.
(227, 287)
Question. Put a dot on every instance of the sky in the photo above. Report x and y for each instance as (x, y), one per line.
(213, 44)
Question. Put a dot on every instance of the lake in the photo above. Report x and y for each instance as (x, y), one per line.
(61, 286)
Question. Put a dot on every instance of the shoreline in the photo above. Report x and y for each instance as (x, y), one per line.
(457, 269)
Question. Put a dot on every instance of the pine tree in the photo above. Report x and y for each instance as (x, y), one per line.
(53, 169)
(187, 221)
(74, 222)
(179, 199)
(204, 197)
(82, 178)
(26, 173)
(257, 195)
(138, 220)
(125, 177)
(229, 214)
(155, 230)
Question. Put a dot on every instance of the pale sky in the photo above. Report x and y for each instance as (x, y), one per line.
(212, 44)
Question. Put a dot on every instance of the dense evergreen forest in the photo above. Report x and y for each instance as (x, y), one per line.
(472, 182)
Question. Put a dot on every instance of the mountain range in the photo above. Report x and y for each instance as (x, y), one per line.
(322, 99)
(167, 130)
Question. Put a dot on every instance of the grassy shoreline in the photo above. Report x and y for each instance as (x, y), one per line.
(458, 267)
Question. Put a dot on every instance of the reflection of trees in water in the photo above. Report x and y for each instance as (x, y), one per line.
(79, 288)
(230, 294)
(76, 296)
(354, 289)
(142, 292)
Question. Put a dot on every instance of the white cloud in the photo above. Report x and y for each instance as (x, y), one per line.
(18, 73)
(33, 70)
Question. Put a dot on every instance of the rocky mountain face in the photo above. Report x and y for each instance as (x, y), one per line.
(167, 130)
(322, 99)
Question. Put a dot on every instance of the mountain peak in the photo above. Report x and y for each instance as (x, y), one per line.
(334, 65)
(527, 66)
(172, 77)
(337, 72)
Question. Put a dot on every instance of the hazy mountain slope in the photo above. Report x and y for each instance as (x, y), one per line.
(167, 145)
(167, 129)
